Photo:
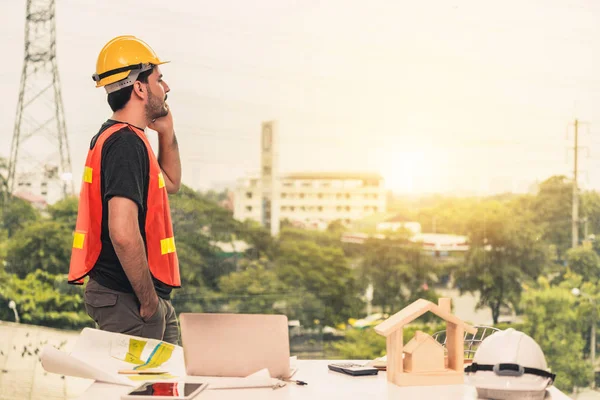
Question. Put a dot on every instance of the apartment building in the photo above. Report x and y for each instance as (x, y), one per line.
(312, 197)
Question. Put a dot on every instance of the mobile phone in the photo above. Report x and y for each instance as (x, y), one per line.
(353, 369)
(165, 391)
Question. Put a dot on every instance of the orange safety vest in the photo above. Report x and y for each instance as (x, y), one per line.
(160, 242)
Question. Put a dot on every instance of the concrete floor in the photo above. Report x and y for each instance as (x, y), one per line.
(21, 373)
(586, 394)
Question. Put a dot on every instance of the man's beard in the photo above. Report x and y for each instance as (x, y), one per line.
(155, 108)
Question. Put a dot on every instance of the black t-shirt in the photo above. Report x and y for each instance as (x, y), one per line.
(125, 171)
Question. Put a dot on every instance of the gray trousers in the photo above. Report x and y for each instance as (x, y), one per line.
(119, 312)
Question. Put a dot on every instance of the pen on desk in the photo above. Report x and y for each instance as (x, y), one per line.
(135, 372)
(300, 383)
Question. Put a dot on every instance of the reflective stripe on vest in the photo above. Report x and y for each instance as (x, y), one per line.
(160, 242)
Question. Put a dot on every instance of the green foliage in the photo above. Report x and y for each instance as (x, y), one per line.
(3, 249)
(590, 210)
(65, 212)
(214, 196)
(446, 215)
(322, 271)
(326, 238)
(41, 302)
(584, 262)
(436, 325)
(519, 326)
(505, 253)
(256, 288)
(44, 245)
(397, 269)
(554, 321)
(259, 237)
(194, 299)
(194, 214)
(552, 211)
(363, 344)
(336, 227)
(197, 221)
(253, 289)
(4, 192)
(17, 214)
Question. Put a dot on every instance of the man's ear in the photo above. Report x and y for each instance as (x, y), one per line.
(139, 89)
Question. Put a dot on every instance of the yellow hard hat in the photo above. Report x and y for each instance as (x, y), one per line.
(121, 58)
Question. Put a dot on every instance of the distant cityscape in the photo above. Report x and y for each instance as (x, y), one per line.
(312, 200)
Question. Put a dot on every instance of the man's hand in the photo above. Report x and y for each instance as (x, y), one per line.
(168, 151)
(163, 125)
(148, 310)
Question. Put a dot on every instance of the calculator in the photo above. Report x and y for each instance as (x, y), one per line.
(353, 369)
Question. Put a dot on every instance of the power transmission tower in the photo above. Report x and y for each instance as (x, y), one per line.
(39, 152)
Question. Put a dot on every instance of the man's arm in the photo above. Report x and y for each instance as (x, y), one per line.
(170, 163)
(128, 243)
(168, 152)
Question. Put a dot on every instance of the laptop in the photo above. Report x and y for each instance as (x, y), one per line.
(235, 345)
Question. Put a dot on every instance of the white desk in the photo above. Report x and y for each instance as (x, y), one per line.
(322, 384)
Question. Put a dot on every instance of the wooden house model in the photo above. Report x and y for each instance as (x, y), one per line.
(421, 362)
(423, 354)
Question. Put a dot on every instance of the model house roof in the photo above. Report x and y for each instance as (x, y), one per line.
(414, 311)
(419, 339)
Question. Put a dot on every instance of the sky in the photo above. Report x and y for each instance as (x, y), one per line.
(460, 96)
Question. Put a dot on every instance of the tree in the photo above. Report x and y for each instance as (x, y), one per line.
(552, 210)
(42, 299)
(191, 260)
(397, 269)
(322, 271)
(18, 213)
(554, 321)
(214, 196)
(65, 212)
(505, 251)
(44, 245)
(253, 289)
(364, 344)
(256, 288)
(336, 227)
(197, 224)
(584, 262)
(258, 237)
(590, 211)
(4, 190)
(326, 239)
(447, 215)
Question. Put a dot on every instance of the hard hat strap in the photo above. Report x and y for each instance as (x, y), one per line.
(99, 77)
(507, 369)
(131, 77)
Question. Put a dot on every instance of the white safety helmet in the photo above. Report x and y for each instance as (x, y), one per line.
(509, 365)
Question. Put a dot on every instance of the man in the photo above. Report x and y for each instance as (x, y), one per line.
(124, 236)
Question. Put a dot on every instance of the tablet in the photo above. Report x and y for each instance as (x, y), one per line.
(165, 391)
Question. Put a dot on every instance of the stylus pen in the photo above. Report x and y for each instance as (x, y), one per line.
(300, 383)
